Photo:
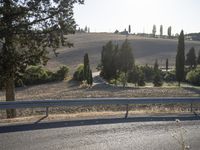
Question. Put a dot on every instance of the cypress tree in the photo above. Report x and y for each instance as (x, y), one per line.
(86, 66)
(191, 58)
(180, 59)
(167, 64)
(156, 67)
(198, 58)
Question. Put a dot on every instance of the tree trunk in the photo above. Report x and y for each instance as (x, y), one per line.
(179, 83)
(10, 96)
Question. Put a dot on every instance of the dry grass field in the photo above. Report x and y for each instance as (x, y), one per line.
(145, 50)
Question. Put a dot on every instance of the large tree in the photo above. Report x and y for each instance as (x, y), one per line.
(180, 59)
(191, 59)
(27, 29)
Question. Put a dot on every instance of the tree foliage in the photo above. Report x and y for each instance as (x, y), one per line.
(191, 58)
(129, 29)
(198, 58)
(180, 58)
(169, 32)
(154, 30)
(161, 30)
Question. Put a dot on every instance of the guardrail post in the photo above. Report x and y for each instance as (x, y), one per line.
(47, 111)
(191, 107)
(126, 115)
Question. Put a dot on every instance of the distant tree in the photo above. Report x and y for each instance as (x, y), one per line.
(198, 58)
(86, 29)
(191, 58)
(161, 30)
(133, 75)
(157, 81)
(86, 66)
(29, 28)
(180, 59)
(90, 78)
(87, 73)
(116, 31)
(129, 29)
(169, 31)
(167, 64)
(154, 30)
(156, 66)
(141, 78)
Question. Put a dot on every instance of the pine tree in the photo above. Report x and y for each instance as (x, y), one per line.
(180, 59)
(27, 29)
(191, 58)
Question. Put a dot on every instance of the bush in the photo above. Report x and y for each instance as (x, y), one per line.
(79, 73)
(141, 78)
(60, 74)
(157, 81)
(193, 77)
(38, 75)
(169, 76)
(148, 73)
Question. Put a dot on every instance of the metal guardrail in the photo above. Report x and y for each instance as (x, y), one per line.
(98, 101)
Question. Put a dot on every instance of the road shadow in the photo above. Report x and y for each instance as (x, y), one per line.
(74, 123)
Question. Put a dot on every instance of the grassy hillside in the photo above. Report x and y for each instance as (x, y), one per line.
(145, 50)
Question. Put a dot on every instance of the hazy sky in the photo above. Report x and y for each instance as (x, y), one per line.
(109, 15)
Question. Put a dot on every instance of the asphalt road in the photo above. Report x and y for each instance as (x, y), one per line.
(138, 133)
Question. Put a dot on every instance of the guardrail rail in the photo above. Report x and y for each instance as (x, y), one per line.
(98, 101)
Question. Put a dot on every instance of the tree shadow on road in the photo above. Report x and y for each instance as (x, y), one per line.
(75, 123)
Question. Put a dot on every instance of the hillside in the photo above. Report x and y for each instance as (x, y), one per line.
(145, 50)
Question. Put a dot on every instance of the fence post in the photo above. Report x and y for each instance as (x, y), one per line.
(47, 111)
(126, 115)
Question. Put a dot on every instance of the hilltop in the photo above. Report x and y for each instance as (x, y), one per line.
(145, 50)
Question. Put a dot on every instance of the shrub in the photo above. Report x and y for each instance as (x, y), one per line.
(79, 73)
(157, 81)
(35, 75)
(123, 79)
(169, 76)
(60, 74)
(148, 72)
(193, 77)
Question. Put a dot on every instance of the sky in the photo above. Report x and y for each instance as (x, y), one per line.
(109, 15)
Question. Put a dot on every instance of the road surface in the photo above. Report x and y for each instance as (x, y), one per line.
(115, 133)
